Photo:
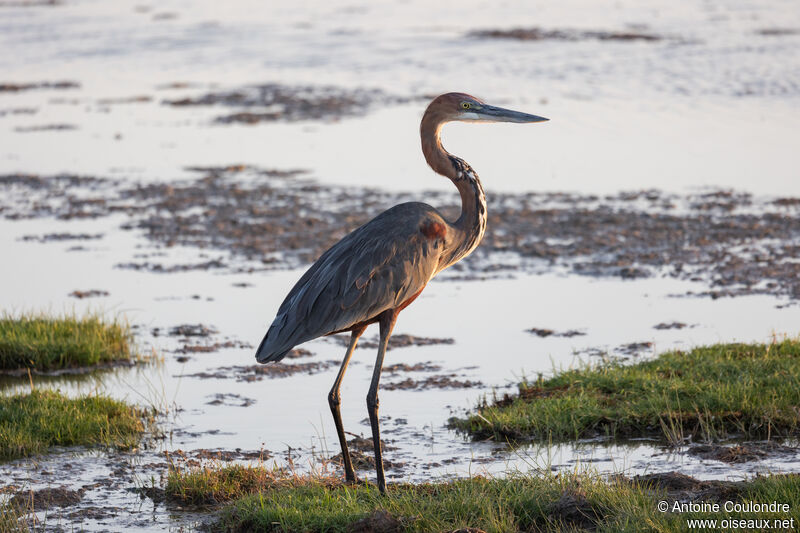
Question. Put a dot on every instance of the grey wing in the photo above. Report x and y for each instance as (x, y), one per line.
(376, 267)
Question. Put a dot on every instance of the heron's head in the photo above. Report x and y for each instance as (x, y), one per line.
(465, 108)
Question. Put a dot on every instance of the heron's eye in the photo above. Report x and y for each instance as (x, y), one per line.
(466, 105)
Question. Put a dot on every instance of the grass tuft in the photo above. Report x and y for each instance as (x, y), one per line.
(214, 483)
(47, 343)
(708, 393)
(32, 423)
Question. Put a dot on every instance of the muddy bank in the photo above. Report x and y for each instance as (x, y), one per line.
(736, 243)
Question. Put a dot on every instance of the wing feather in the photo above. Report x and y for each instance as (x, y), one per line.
(376, 267)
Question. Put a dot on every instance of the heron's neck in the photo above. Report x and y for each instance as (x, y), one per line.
(471, 224)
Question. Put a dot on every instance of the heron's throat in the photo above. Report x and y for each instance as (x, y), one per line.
(471, 224)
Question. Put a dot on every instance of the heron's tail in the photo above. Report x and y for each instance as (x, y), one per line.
(267, 351)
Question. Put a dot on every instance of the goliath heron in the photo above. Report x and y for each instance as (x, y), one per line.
(380, 268)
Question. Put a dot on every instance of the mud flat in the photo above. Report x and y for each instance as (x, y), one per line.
(733, 242)
(273, 102)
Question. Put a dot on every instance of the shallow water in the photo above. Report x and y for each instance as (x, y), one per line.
(712, 104)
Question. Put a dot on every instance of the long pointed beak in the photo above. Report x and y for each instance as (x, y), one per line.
(498, 114)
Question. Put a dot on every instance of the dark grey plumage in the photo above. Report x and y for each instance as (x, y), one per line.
(374, 268)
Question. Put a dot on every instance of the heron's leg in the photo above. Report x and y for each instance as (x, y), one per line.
(387, 320)
(334, 400)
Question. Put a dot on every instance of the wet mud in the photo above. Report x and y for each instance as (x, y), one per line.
(671, 325)
(211, 348)
(91, 293)
(543, 332)
(395, 341)
(10, 87)
(273, 102)
(362, 454)
(46, 498)
(195, 457)
(541, 34)
(403, 367)
(18, 111)
(250, 373)
(778, 32)
(622, 352)
(737, 244)
(634, 348)
(230, 400)
(60, 237)
(140, 99)
(297, 353)
(439, 381)
(742, 453)
(198, 339)
(366, 461)
(188, 330)
(45, 127)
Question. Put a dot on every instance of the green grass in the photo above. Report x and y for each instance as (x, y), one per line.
(547, 502)
(49, 343)
(32, 423)
(215, 484)
(712, 392)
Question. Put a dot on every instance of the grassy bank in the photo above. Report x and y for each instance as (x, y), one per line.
(48, 343)
(32, 423)
(550, 502)
(751, 390)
